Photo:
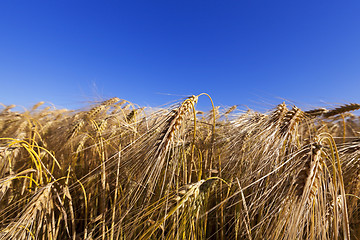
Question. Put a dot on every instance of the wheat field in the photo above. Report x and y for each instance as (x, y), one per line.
(120, 171)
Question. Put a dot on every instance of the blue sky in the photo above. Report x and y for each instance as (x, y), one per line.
(250, 53)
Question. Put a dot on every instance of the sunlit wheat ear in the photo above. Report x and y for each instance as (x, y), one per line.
(7, 109)
(279, 113)
(94, 111)
(316, 112)
(45, 111)
(171, 127)
(6, 182)
(36, 106)
(117, 106)
(174, 122)
(307, 181)
(22, 131)
(131, 115)
(188, 203)
(89, 115)
(342, 109)
(291, 119)
(60, 113)
(81, 143)
(35, 215)
(230, 110)
(194, 189)
(78, 126)
(102, 126)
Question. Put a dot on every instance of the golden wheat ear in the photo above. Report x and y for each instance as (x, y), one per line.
(342, 109)
(230, 110)
(279, 112)
(36, 106)
(307, 180)
(7, 109)
(95, 110)
(316, 112)
(77, 127)
(291, 119)
(174, 122)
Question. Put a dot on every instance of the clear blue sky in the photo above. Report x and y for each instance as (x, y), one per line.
(240, 52)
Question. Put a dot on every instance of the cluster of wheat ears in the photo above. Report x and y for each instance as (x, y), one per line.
(119, 171)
